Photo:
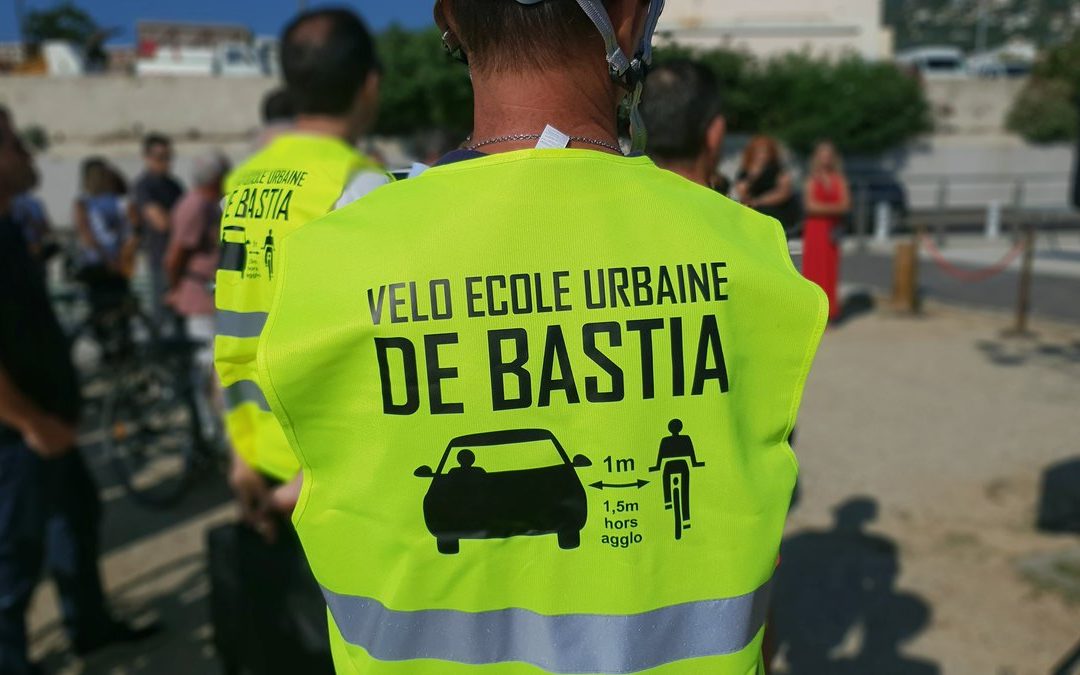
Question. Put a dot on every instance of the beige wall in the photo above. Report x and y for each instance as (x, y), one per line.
(971, 105)
(767, 27)
(111, 107)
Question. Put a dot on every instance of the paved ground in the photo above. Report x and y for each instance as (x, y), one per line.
(930, 433)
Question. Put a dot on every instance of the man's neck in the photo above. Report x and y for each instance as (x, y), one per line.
(324, 125)
(695, 170)
(577, 102)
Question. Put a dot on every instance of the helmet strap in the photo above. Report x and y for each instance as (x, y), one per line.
(629, 74)
(639, 135)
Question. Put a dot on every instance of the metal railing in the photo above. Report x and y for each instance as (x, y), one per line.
(990, 203)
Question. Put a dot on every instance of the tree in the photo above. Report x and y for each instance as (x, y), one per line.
(423, 88)
(61, 22)
(865, 107)
(735, 72)
(1045, 110)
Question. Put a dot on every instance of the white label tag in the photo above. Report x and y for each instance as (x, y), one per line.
(552, 139)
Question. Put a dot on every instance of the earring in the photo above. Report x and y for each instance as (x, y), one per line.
(453, 47)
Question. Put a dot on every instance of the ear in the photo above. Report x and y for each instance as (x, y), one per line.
(447, 23)
(628, 17)
(372, 86)
(440, 16)
(714, 136)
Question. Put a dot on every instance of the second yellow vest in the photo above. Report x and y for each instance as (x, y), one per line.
(294, 180)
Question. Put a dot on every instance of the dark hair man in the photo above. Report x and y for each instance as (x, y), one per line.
(332, 85)
(155, 193)
(685, 116)
(278, 116)
(550, 305)
(44, 484)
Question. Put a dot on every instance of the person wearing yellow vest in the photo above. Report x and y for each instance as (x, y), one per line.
(331, 75)
(541, 394)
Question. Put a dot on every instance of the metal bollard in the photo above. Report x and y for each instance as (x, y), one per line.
(882, 222)
(993, 219)
(1023, 294)
(1018, 206)
(862, 197)
(905, 297)
(942, 203)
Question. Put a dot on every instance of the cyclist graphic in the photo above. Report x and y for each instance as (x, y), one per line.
(268, 255)
(675, 451)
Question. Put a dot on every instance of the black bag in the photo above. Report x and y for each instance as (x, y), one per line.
(268, 614)
(1059, 503)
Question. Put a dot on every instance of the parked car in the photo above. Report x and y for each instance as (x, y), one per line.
(871, 186)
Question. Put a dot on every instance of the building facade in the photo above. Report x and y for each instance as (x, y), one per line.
(769, 27)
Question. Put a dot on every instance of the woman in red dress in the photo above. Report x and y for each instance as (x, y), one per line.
(827, 201)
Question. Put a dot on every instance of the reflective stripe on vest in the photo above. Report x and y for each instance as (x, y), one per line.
(240, 324)
(567, 643)
(245, 391)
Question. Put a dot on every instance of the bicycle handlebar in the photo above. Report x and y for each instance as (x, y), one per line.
(696, 465)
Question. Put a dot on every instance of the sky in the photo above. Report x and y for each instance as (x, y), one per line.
(264, 17)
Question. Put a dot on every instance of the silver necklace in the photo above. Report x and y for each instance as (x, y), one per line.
(534, 137)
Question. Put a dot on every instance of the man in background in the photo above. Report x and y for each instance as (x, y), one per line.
(278, 116)
(331, 78)
(684, 113)
(191, 260)
(49, 507)
(156, 193)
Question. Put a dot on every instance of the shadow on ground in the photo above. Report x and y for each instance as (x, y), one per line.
(837, 609)
(856, 304)
(125, 521)
(1030, 350)
(177, 593)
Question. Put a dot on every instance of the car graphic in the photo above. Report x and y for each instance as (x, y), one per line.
(503, 484)
(233, 248)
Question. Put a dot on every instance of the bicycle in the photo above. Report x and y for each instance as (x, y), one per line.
(676, 467)
(107, 337)
(159, 431)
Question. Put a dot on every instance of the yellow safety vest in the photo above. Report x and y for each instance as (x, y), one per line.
(542, 401)
(295, 179)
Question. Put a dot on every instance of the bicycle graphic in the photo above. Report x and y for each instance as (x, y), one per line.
(676, 457)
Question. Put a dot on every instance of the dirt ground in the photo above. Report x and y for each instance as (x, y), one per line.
(922, 443)
(933, 433)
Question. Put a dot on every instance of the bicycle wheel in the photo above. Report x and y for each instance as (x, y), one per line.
(151, 433)
(676, 508)
(105, 342)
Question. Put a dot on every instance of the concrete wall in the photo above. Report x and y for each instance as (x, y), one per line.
(971, 105)
(117, 107)
(767, 27)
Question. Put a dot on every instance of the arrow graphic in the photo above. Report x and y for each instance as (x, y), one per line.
(601, 485)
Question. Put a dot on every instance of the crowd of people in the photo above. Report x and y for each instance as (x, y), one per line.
(428, 225)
